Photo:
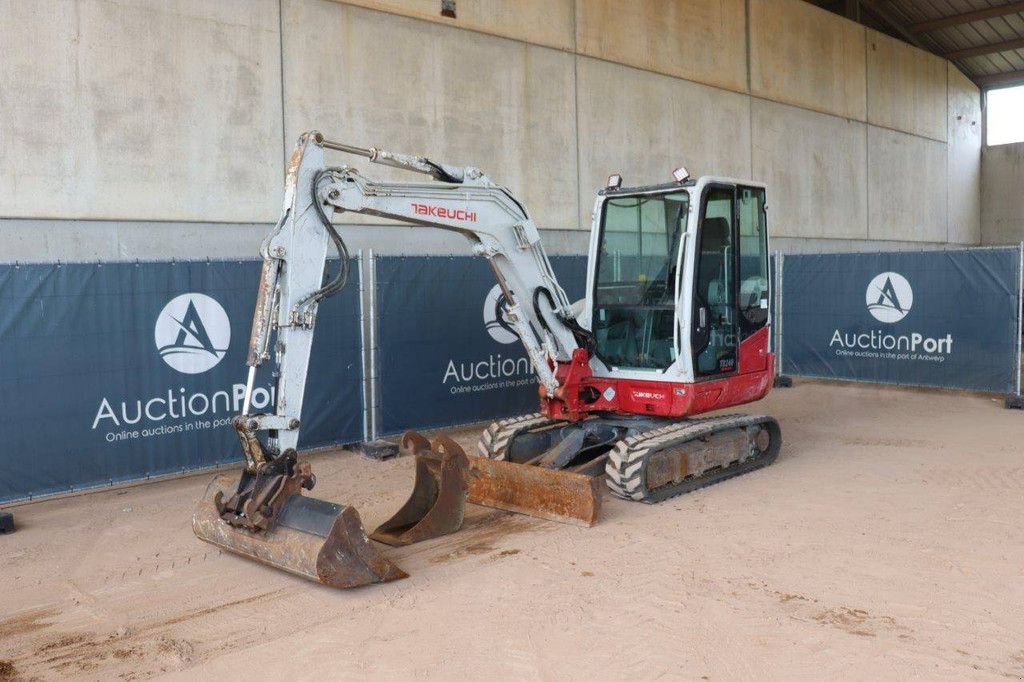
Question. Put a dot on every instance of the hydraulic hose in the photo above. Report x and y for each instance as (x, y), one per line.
(584, 337)
(336, 283)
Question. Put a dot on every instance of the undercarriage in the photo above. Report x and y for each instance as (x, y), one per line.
(644, 459)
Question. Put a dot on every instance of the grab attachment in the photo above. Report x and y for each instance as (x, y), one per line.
(437, 504)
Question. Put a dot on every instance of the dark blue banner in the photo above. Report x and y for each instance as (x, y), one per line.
(933, 318)
(123, 371)
(443, 360)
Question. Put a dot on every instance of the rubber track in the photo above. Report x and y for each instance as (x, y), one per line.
(493, 443)
(626, 466)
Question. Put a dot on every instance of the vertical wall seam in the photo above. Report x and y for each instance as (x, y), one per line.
(576, 114)
(280, 66)
(867, 141)
(750, 51)
(949, 150)
(750, 87)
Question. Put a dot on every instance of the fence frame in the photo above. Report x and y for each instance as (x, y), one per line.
(780, 323)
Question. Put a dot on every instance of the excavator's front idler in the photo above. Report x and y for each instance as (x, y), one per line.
(437, 505)
(312, 538)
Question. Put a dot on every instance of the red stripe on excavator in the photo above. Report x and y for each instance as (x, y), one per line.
(751, 382)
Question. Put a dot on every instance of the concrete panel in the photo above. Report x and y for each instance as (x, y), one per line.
(815, 166)
(47, 241)
(370, 78)
(963, 160)
(542, 22)
(1002, 194)
(643, 125)
(143, 110)
(803, 55)
(906, 87)
(700, 40)
(802, 245)
(906, 187)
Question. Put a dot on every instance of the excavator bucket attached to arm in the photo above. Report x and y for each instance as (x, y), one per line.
(312, 538)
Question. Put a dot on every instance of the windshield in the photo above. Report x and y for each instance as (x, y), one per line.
(635, 287)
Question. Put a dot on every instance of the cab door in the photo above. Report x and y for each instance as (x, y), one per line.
(714, 334)
(753, 283)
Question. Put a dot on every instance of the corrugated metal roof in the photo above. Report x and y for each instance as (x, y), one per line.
(984, 38)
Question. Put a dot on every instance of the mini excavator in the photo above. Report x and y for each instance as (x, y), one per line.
(676, 323)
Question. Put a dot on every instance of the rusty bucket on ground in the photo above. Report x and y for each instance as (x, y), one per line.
(437, 504)
(312, 538)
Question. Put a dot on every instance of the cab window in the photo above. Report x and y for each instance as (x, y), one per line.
(635, 286)
(753, 267)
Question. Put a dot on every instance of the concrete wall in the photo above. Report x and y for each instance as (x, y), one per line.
(1002, 200)
(157, 129)
(807, 57)
(140, 110)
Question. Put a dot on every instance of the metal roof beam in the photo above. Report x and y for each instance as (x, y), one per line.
(966, 17)
(851, 10)
(875, 8)
(1000, 80)
(993, 48)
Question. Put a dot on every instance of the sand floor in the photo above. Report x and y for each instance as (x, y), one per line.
(886, 542)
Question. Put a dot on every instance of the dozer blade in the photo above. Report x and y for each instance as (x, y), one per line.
(437, 504)
(312, 538)
(552, 494)
(549, 494)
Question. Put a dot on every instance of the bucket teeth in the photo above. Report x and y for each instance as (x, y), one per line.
(437, 504)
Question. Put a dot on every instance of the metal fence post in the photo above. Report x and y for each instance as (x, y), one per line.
(364, 351)
(1020, 313)
(777, 321)
(781, 380)
(373, 405)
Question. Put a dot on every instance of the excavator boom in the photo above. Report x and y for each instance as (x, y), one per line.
(265, 515)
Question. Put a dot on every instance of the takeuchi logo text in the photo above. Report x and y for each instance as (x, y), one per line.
(444, 212)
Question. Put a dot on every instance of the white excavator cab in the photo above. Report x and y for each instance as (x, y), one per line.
(677, 279)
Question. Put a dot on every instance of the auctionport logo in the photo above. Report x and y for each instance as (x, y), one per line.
(192, 333)
(495, 320)
(889, 297)
(475, 375)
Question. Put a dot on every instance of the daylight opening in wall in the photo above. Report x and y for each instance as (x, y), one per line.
(1005, 115)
